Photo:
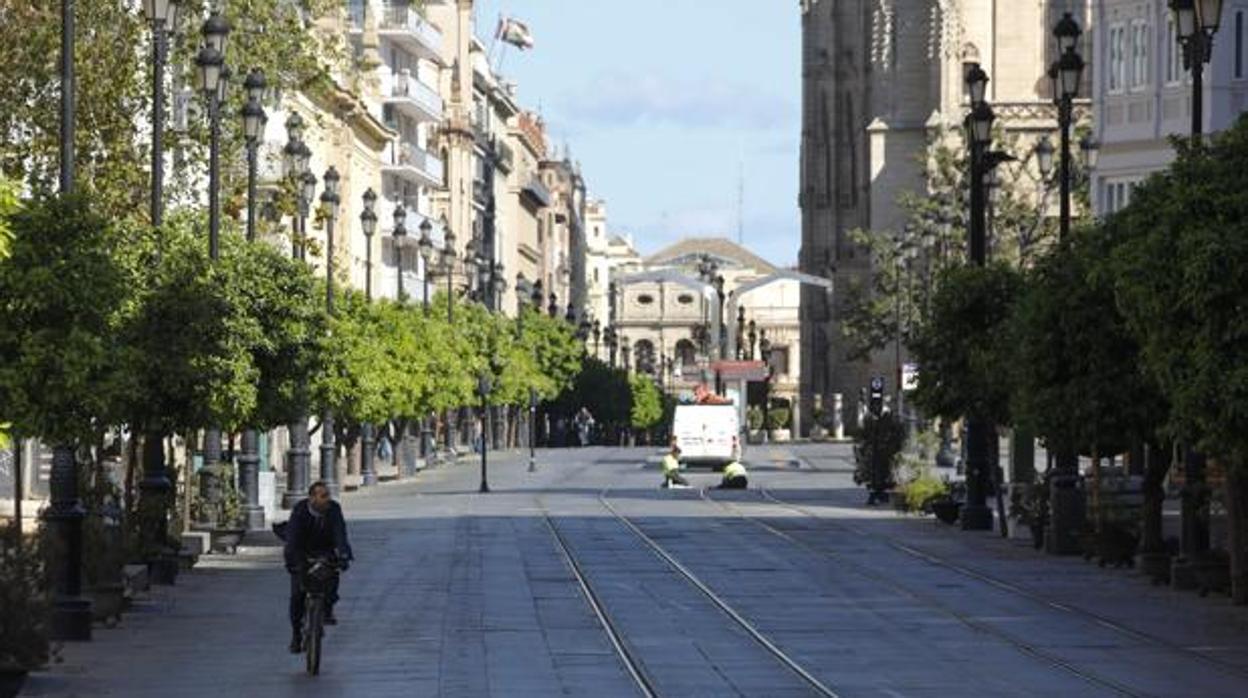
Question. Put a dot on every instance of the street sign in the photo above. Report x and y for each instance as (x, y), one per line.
(877, 384)
(740, 370)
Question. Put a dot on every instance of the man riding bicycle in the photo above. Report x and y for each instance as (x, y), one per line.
(316, 528)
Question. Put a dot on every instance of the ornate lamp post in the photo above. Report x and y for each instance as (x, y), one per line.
(156, 486)
(254, 120)
(448, 268)
(753, 337)
(368, 221)
(483, 389)
(764, 352)
(330, 201)
(296, 156)
(597, 336)
(552, 308)
(212, 83)
(425, 246)
(532, 430)
(1197, 22)
(1066, 73)
(163, 16)
(400, 239)
(979, 433)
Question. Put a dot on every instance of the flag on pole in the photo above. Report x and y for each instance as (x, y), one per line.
(514, 32)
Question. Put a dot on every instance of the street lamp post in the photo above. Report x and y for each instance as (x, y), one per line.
(1197, 22)
(980, 433)
(532, 429)
(330, 201)
(483, 389)
(254, 120)
(212, 83)
(297, 155)
(400, 238)
(368, 434)
(1066, 73)
(156, 487)
(425, 247)
(448, 267)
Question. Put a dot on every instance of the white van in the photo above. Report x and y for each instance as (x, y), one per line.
(707, 434)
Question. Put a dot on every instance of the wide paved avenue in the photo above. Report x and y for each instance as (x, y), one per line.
(586, 579)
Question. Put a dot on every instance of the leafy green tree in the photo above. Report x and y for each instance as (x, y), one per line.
(907, 263)
(284, 298)
(1078, 379)
(189, 349)
(1181, 290)
(647, 409)
(9, 204)
(64, 292)
(554, 347)
(113, 66)
(964, 349)
(603, 389)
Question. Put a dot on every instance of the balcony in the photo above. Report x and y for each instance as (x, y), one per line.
(403, 25)
(410, 163)
(414, 98)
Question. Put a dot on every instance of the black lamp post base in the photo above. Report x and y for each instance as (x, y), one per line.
(71, 619)
(485, 488)
(1066, 517)
(976, 517)
(253, 516)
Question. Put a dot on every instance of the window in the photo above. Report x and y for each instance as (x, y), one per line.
(1239, 44)
(645, 299)
(684, 299)
(779, 361)
(1117, 58)
(1139, 54)
(1174, 54)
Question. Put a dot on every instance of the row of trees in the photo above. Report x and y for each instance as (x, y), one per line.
(1131, 332)
(105, 324)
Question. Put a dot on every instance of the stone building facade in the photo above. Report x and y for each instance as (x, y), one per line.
(1144, 93)
(661, 324)
(881, 80)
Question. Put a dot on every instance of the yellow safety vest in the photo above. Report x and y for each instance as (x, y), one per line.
(734, 469)
(671, 464)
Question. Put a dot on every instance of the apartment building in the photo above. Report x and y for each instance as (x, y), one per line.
(1143, 91)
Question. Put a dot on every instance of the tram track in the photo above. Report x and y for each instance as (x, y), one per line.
(1019, 644)
(633, 664)
(969, 573)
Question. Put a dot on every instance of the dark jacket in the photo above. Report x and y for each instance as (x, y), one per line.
(308, 535)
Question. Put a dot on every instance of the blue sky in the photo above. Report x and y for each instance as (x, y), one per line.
(665, 102)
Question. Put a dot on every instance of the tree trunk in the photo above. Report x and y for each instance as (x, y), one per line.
(1152, 538)
(1237, 525)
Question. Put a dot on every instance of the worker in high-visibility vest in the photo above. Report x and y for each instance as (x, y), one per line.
(671, 468)
(734, 477)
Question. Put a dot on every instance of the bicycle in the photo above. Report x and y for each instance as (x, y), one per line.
(317, 579)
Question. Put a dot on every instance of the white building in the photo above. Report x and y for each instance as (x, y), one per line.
(1143, 93)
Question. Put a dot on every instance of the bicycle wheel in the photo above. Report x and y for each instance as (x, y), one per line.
(312, 635)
